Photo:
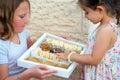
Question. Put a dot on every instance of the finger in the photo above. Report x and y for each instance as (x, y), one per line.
(46, 76)
(45, 72)
(59, 55)
(43, 67)
(48, 73)
(67, 51)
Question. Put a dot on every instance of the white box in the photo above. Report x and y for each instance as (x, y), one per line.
(61, 71)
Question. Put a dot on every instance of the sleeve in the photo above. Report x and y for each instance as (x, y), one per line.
(3, 54)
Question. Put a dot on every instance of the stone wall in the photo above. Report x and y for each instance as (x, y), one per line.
(57, 17)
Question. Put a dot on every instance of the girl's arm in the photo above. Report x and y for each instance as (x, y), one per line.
(39, 72)
(29, 42)
(101, 46)
(103, 42)
(5, 76)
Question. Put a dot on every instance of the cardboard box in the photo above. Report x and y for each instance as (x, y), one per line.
(62, 72)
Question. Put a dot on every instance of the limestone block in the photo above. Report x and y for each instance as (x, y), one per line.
(57, 17)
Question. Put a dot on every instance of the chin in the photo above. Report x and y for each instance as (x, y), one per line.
(19, 31)
(95, 22)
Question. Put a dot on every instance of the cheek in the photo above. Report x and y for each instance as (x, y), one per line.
(18, 25)
(98, 17)
(89, 17)
(95, 18)
(17, 22)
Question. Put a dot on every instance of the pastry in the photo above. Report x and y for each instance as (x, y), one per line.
(62, 66)
(48, 62)
(34, 59)
(45, 46)
(49, 55)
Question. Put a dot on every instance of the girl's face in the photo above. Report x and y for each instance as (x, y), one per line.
(20, 18)
(92, 15)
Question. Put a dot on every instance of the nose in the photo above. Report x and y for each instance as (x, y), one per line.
(85, 16)
(26, 20)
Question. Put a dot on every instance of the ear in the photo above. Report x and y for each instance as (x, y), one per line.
(100, 8)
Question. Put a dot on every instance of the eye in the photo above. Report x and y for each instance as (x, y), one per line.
(86, 12)
(22, 16)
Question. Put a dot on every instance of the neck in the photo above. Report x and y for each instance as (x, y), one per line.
(106, 20)
(15, 38)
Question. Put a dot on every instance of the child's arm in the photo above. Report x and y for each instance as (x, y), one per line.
(29, 42)
(4, 73)
(102, 44)
(39, 72)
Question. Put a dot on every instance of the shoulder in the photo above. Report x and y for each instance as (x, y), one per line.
(4, 51)
(106, 31)
(106, 35)
(4, 45)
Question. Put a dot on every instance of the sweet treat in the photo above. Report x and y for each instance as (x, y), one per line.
(56, 50)
(45, 46)
(48, 62)
(34, 59)
(49, 46)
(62, 66)
(48, 55)
(62, 44)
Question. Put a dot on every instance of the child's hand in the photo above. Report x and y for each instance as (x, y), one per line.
(41, 72)
(63, 56)
(66, 37)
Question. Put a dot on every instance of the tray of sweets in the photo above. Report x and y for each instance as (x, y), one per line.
(43, 52)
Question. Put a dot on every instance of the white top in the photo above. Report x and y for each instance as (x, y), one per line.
(10, 52)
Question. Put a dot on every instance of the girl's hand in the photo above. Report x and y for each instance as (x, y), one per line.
(63, 56)
(66, 37)
(40, 72)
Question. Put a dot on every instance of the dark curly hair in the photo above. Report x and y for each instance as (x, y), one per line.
(7, 9)
(112, 6)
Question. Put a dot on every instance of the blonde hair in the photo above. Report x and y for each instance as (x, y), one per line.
(7, 9)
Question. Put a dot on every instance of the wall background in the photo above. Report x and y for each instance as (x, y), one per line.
(57, 17)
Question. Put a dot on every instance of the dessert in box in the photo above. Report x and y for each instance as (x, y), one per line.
(43, 52)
